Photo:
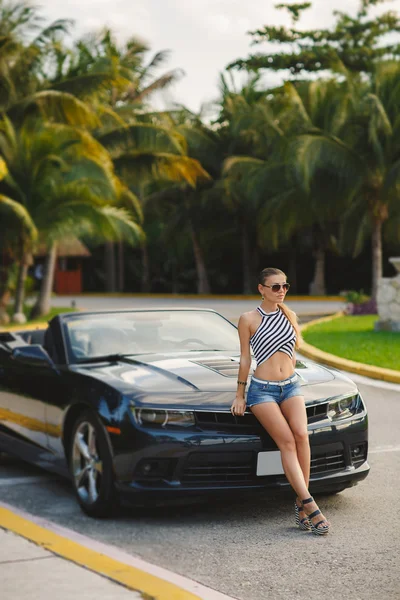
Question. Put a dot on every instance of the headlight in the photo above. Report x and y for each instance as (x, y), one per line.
(149, 417)
(343, 407)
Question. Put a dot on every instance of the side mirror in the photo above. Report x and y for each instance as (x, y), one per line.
(32, 356)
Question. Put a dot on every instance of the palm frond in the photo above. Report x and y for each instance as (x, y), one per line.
(131, 203)
(161, 83)
(3, 169)
(98, 223)
(55, 106)
(47, 34)
(84, 86)
(312, 153)
(297, 102)
(144, 138)
(157, 60)
(15, 212)
(140, 168)
(391, 186)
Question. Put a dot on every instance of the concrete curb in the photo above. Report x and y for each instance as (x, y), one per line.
(345, 364)
(29, 327)
(133, 573)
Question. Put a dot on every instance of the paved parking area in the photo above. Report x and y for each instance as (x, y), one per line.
(230, 308)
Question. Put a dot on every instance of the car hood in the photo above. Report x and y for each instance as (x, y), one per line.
(212, 372)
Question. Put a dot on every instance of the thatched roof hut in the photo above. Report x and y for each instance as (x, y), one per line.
(67, 247)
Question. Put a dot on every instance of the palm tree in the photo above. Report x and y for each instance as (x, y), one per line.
(57, 177)
(21, 64)
(143, 144)
(365, 159)
(274, 186)
(18, 234)
(253, 139)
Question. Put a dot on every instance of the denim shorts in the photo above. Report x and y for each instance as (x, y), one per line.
(273, 391)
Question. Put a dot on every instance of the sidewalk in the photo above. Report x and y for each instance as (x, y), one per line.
(40, 560)
(30, 572)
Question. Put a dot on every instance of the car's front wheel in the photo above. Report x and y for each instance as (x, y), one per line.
(91, 466)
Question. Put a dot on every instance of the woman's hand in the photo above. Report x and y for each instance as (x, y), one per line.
(238, 407)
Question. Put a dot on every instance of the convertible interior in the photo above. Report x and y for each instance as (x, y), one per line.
(43, 337)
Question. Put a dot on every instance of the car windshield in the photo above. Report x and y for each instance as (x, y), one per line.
(129, 333)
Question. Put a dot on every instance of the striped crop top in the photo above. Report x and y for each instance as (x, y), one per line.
(274, 334)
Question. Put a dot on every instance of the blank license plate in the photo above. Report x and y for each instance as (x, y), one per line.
(269, 463)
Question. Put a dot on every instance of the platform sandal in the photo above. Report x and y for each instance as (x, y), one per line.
(304, 524)
(314, 527)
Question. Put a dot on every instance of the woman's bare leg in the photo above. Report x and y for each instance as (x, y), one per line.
(294, 411)
(271, 418)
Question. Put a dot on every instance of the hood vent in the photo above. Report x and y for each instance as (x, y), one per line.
(225, 366)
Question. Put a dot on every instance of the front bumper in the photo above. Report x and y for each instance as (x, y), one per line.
(186, 463)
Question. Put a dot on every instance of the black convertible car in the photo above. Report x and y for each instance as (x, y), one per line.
(136, 403)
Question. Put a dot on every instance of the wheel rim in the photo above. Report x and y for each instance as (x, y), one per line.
(87, 466)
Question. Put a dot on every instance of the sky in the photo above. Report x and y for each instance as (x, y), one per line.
(203, 36)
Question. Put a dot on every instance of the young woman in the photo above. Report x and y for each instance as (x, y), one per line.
(274, 394)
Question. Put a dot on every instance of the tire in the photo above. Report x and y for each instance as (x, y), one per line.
(91, 467)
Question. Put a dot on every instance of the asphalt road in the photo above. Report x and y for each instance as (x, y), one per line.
(249, 548)
(230, 308)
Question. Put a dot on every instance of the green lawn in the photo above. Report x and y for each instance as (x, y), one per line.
(354, 338)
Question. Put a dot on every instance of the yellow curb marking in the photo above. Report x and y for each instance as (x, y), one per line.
(131, 577)
(343, 363)
(22, 327)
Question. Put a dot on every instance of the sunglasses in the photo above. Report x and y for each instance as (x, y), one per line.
(276, 287)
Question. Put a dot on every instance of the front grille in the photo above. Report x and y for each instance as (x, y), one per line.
(224, 366)
(317, 411)
(219, 469)
(203, 468)
(329, 462)
(218, 420)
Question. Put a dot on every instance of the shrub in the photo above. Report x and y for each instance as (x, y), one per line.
(358, 303)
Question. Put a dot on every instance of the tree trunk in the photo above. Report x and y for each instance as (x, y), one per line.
(4, 299)
(174, 276)
(246, 262)
(145, 287)
(317, 286)
(43, 302)
(121, 267)
(376, 255)
(18, 315)
(292, 271)
(203, 284)
(109, 259)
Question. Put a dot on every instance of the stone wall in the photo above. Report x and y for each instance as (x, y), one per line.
(389, 301)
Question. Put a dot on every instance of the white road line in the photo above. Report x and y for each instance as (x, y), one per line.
(384, 385)
(381, 449)
(204, 592)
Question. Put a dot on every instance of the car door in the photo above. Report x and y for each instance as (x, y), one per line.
(23, 396)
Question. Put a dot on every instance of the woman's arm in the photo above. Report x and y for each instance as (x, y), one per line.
(239, 405)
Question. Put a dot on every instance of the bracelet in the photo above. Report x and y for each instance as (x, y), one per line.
(242, 382)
